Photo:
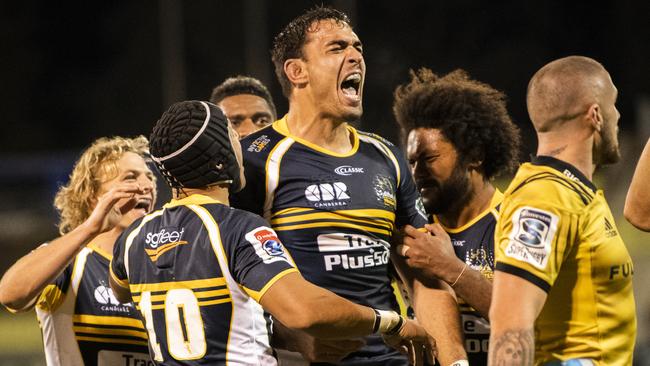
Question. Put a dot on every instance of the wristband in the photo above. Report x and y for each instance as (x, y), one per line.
(387, 322)
(460, 363)
(455, 282)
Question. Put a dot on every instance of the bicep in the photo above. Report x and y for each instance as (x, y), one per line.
(516, 302)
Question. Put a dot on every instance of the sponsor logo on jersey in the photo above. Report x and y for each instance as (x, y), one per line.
(570, 175)
(419, 207)
(348, 170)
(610, 230)
(457, 243)
(113, 358)
(259, 144)
(164, 236)
(362, 251)
(325, 195)
(107, 300)
(267, 245)
(533, 231)
(385, 192)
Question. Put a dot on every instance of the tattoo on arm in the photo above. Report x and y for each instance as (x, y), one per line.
(514, 347)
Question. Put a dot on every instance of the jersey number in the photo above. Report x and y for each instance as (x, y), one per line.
(185, 334)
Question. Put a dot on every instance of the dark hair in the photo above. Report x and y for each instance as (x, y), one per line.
(291, 40)
(242, 85)
(470, 114)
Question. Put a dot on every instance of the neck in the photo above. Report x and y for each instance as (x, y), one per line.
(219, 193)
(571, 146)
(327, 132)
(106, 241)
(479, 201)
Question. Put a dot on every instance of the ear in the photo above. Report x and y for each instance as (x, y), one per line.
(595, 117)
(296, 71)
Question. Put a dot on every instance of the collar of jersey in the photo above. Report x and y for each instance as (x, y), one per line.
(281, 127)
(193, 199)
(561, 166)
(496, 200)
(100, 251)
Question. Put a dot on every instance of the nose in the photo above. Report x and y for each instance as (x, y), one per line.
(354, 55)
(146, 183)
(245, 128)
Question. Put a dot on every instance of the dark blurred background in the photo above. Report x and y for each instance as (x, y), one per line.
(75, 71)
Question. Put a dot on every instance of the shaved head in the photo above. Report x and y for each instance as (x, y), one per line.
(564, 89)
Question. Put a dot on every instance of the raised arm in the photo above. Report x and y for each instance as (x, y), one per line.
(637, 202)
(26, 279)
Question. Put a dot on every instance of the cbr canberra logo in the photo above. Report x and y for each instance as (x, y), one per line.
(347, 170)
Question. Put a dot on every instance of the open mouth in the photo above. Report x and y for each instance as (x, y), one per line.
(351, 86)
(143, 204)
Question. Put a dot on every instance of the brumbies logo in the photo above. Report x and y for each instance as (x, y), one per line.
(267, 245)
(533, 231)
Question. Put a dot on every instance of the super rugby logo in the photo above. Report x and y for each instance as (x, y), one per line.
(267, 245)
(347, 170)
(532, 232)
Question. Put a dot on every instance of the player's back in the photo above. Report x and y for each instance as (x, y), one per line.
(193, 271)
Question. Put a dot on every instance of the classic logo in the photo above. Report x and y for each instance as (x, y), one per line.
(327, 194)
(267, 245)
(532, 232)
(347, 170)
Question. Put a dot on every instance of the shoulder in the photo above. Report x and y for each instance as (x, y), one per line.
(385, 146)
(260, 143)
(547, 186)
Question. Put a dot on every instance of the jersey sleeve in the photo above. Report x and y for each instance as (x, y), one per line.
(410, 209)
(257, 257)
(532, 239)
(54, 293)
(117, 267)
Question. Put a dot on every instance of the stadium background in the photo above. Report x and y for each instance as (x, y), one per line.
(72, 72)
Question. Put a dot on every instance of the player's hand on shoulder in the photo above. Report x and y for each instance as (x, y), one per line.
(429, 252)
(414, 341)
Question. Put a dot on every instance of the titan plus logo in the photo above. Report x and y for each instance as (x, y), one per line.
(327, 194)
(347, 170)
(163, 237)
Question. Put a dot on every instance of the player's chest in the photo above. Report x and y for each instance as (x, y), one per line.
(94, 294)
(334, 183)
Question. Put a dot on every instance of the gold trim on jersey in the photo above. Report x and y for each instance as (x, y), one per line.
(496, 200)
(373, 220)
(108, 320)
(121, 283)
(383, 148)
(100, 251)
(205, 291)
(154, 254)
(193, 199)
(50, 298)
(111, 340)
(281, 127)
(257, 295)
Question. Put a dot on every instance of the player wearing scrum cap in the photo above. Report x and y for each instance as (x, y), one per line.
(203, 287)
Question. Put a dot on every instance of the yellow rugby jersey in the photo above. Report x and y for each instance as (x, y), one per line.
(557, 231)
(82, 322)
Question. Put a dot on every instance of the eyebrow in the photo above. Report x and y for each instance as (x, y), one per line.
(344, 43)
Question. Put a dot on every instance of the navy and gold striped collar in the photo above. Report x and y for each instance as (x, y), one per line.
(565, 168)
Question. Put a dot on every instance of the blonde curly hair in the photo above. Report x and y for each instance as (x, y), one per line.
(97, 164)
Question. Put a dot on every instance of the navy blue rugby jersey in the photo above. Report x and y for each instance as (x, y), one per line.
(196, 270)
(335, 213)
(83, 323)
(474, 244)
